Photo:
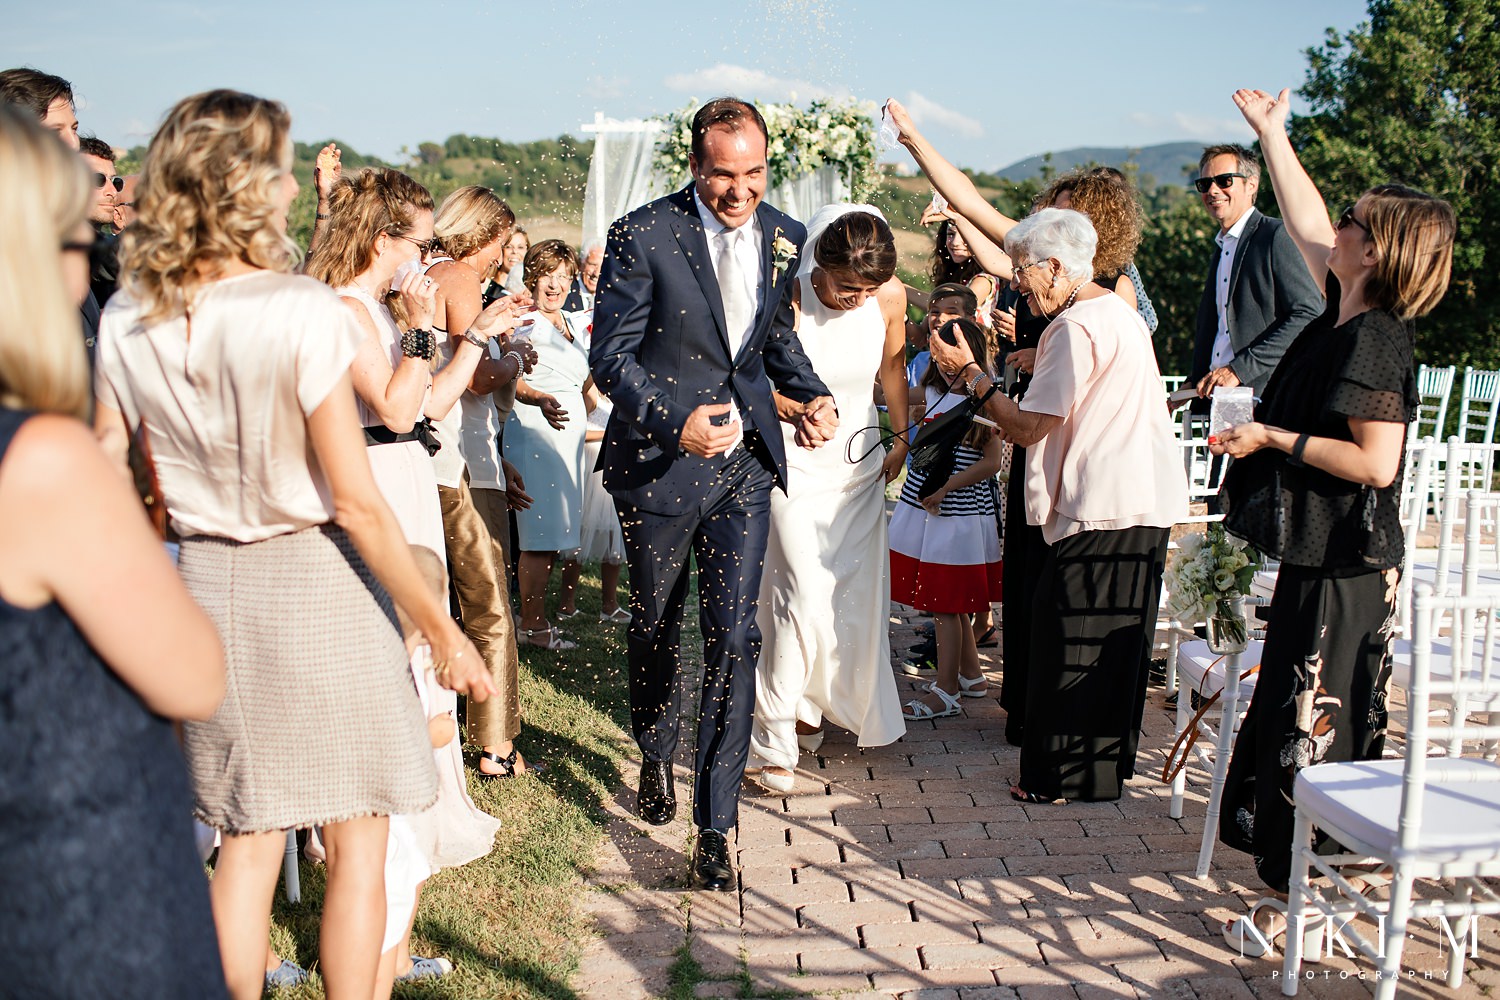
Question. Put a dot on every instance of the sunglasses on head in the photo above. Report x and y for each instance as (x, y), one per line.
(1223, 180)
(118, 183)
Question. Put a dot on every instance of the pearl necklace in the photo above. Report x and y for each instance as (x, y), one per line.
(1067, 303)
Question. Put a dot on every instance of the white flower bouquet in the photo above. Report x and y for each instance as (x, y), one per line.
(1208, 571)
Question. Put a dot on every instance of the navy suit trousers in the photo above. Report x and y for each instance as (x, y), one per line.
(726, 534)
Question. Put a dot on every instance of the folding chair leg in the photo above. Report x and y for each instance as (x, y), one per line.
(1174, 640)
(1179, 780)
(1229, 702)
(1297, 898)
(1395, 935)
(1463, 893)
(289, 872)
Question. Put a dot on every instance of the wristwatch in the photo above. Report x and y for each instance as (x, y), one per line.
(480, 342)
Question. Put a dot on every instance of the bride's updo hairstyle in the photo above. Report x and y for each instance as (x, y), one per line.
(362, 206)
(207, 196)
(859, 245)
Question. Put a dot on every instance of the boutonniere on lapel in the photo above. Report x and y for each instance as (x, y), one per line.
(783, 252)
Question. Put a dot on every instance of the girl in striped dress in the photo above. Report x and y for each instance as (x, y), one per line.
(945, 547)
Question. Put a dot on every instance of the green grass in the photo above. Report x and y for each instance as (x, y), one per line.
(510, 922)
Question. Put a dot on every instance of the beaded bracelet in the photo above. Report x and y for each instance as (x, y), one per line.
(419, 343)
(975, 380)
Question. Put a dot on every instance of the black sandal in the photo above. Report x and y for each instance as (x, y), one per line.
(507, 766)
(990, 639)
(1032, 798)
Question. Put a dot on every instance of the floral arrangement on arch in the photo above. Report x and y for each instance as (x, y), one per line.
(825, 133)
(1208, 569)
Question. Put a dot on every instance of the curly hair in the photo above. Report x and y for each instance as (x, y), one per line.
(470, 219)
(207, 196)
(1108, 198)
(44, 196)
(372, 201)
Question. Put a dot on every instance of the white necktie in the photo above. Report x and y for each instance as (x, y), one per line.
(739, 311)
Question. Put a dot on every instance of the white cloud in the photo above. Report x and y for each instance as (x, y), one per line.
(743, 82)
(924, 110)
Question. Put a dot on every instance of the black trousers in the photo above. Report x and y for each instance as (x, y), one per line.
(1096, 601)
(1024, 551)
(726, 534)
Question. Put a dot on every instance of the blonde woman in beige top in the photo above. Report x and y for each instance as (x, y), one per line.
(238, 372)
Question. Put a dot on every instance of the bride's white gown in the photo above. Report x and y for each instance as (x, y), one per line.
(825, 589)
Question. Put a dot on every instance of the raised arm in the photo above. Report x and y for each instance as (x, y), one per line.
(327, 169)
(1302, 207)
(951, 182)
(394, 395)
(470, 366)
(990, 255)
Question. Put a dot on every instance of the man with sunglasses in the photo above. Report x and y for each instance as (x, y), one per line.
(1258, 295)
(104, 263)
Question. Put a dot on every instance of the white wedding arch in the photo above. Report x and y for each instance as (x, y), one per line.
(819, 156)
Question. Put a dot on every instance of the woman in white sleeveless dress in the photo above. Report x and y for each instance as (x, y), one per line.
(825, 589)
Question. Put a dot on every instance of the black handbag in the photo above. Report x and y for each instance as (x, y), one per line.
(933, 449)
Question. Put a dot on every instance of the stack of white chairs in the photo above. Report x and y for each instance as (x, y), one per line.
(1429, 818)
(1434, 387)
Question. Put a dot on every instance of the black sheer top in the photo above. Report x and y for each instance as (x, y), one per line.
(1331, 374)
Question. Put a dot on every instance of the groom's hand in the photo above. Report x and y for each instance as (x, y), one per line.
(818, 422)
(702, 436)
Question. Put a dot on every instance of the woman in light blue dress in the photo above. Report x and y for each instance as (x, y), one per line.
(544, 434)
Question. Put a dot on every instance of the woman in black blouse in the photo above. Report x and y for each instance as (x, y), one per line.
(1316, 483)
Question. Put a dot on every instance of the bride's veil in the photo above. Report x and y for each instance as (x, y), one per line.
(824, 217)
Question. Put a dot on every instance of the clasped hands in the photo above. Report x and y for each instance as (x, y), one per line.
(703, 436)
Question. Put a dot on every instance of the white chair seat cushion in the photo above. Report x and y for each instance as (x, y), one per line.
(1202, 670)
(1440, 670)
(1360, 802)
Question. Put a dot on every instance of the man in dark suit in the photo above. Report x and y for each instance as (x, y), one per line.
(586, 282)
(692, 323)
(1258, 295)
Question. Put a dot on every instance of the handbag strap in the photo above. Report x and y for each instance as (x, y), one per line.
(1191, 732)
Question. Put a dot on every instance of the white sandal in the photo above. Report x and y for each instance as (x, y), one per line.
(555, 642)
(1246, 937)
(973, 687)
(917, 710)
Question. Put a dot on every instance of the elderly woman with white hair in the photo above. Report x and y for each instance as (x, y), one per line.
(1104, 483)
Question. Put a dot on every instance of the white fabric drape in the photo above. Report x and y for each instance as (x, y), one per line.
(622, 178)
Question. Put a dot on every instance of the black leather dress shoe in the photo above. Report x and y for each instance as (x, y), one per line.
(655, 797)
(711, 867)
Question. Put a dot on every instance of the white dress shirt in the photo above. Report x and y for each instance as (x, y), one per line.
(748, 254)
(1229, 242)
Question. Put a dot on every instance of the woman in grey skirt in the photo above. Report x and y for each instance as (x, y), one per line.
(238, 372)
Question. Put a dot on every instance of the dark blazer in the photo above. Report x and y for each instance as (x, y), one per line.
(574, 301)
(660, 349)
(1271, 299)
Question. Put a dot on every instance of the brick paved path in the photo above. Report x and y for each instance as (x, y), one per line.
(907, 871)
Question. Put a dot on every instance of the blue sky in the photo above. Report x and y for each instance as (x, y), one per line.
(990, 81)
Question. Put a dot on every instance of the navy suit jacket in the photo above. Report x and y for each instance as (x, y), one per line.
(1272, 297)
(659, 350)
(574, 301)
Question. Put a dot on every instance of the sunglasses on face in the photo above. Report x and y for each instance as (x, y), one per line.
(1347, 219)
(424, 247)
(118, 183)
(1223, 180)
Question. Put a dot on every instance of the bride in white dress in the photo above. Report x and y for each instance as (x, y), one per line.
(825, 590)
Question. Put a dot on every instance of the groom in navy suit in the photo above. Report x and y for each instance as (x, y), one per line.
(692, 325)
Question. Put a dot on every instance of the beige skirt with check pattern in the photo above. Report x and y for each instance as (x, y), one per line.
(321, 721)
